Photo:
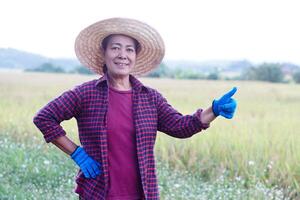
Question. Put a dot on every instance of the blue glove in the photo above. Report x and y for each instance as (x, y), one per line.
(88, 165)
(225, 106)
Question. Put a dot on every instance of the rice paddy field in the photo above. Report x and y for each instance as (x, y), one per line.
(256, 155)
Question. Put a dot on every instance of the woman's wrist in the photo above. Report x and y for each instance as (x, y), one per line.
(65, 144)
(207, 116)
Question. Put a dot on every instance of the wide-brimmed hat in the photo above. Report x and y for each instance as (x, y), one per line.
(151, 46)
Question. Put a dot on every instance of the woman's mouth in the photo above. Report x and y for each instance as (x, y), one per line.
(122, 64)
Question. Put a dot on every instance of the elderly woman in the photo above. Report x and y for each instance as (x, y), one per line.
(117, 116)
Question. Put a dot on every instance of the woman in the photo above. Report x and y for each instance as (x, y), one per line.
(117, 115)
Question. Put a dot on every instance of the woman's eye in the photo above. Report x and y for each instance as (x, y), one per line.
(130, 50)
(115, 48)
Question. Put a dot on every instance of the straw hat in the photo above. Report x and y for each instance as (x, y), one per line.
(151, 46)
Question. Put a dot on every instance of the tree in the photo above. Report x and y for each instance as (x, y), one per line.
(82, 70)
(161, 71)
(249, 74)
(296, 76)
(213, 76)
(187, 74)
(47, 67)
(270, 72)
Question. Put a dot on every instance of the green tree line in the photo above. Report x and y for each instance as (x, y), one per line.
(270, 72)
(50, 68)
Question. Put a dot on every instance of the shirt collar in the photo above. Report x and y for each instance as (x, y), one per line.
(136, 84)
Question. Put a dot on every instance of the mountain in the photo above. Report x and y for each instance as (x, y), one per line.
(16, 59)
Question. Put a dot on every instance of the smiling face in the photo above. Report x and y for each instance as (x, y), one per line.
(119, 55)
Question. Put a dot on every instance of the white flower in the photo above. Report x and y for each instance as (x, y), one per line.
(46, 162)
(251, 162)
(269, 166)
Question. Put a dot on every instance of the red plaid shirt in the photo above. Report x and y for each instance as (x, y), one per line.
(88, 104)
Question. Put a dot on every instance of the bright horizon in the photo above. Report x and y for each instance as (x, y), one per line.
(197, 30)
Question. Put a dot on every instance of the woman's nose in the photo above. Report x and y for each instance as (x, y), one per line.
(122, 54)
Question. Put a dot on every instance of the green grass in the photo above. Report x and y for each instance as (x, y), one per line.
(30, 171)
(34, 170)
(255, 152)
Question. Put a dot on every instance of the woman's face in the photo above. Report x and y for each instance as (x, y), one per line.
(120, 55)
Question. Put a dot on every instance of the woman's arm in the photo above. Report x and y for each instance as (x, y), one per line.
(48, 120)
(65, 144)
(173, 123)
(62, 108)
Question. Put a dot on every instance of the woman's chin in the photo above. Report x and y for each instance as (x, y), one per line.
(120, 73)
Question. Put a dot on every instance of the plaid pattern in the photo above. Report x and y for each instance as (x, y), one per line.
(88, 103)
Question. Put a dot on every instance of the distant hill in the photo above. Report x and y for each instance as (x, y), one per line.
(15, 59)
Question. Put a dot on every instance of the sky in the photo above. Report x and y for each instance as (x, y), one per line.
(200, 30)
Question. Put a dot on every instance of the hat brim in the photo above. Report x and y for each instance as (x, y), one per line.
(151, 46)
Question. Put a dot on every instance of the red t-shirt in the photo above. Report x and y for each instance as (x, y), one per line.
(124, 177)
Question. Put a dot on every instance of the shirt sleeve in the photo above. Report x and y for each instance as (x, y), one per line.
(173, 123)
(62, 108)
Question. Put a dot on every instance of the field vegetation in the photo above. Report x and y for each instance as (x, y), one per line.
(256, 155)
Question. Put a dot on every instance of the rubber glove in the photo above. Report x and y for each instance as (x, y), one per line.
(225, 106)
(88, 165)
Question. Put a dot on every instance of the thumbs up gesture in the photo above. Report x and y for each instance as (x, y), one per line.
(226, 105)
